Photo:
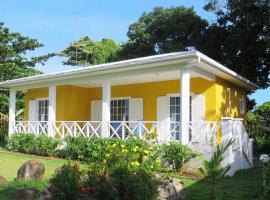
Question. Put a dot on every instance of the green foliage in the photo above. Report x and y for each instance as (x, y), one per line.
(164, 30)
(258, 127)
(65, 183)
(212, 169)
(14, 63)
(240, 37)
(121, 183)
(177, 154)
(29, 143)
(84, 52)
(265, 192)
(3, 137)
(107, 152)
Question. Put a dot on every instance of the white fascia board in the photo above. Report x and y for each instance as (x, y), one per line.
(126, 65)
(249, 84)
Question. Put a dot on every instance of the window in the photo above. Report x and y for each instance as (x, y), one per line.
(175, 117)
(119, 112)
(43, 110)
(242, 106)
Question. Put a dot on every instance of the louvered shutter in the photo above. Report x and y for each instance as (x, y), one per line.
(96, 110)
(163, 116)
(198, 108)
(33, 110)
(136, 109)
(198, 116)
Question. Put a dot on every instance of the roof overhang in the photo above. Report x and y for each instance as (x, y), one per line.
(149, 64)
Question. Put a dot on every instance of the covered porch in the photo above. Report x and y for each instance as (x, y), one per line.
(166, 101)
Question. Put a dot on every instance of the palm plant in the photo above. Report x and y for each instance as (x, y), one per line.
(212, 169)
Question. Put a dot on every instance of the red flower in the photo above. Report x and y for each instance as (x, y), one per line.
(82, 188)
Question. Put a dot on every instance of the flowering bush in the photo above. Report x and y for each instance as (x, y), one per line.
(106, 153)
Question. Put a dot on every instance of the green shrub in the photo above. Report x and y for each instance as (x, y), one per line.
(29, 143)
(121, 183)
(45, 146)
(139, 185)
(65, 183)
(107, 152)
(258, 127)
(3, 137)
(177, 154)
(22, 143)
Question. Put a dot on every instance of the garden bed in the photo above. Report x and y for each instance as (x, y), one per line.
(244, 185)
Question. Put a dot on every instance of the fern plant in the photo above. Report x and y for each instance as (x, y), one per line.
(212, 169)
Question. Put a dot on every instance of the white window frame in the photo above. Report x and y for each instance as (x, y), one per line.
(38, 100)
(242, 106)
(120, 98)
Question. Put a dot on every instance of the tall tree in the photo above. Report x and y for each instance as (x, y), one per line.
(164, 30)
(84, 52)
(240, 38)
(14, 62)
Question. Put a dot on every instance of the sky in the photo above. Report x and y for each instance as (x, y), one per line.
(57, 23)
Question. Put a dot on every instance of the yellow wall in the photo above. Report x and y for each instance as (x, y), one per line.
(222, 99)
(73, 102)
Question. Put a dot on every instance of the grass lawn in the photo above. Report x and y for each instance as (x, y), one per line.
(9, 165)
(243, 186)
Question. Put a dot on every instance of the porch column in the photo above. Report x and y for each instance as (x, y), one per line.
(52, 109)
(106, 112)
(185, 103)
(12, 110)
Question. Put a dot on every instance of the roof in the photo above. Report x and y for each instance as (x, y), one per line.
(213, 66)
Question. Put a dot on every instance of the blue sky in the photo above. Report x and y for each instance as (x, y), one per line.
(56, 23)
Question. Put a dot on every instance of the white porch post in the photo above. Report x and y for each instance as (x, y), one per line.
(12, 110)
(185, 103)
(52, 109)
(106, 112)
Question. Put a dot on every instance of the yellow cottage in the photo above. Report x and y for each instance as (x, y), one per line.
(183, 96)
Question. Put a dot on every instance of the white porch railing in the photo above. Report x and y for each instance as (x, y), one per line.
(164, 131)
(242, 140)
(203, 133)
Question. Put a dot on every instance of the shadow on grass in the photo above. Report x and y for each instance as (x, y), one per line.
(7, 190)
(244, 185)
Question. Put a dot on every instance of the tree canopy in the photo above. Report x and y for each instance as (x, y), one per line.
(85, 51)
(240, 38)
(258, 127)
(164, 30)
(14, 62)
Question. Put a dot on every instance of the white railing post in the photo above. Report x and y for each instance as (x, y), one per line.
(251, 150)
(106, 113)
(185, 104)
(227, 134)
(52, 110)
(12, 111)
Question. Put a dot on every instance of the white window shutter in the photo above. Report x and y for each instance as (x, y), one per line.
(136, 109)
(198, 108)
(33, 110)
(96, 110)
(163, 116)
